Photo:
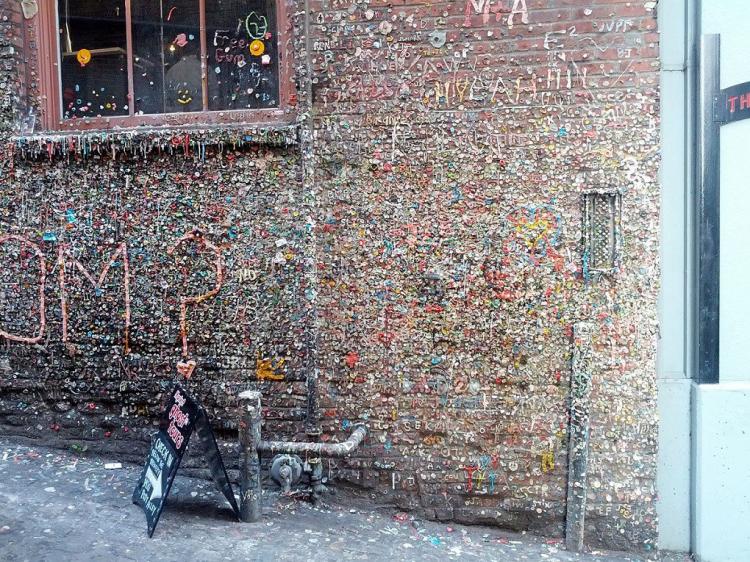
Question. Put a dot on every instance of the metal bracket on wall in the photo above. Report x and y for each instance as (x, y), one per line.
(718, 110)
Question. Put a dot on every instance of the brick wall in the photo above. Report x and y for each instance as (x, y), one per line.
(94, 207)
(422, 246)
(456, 147)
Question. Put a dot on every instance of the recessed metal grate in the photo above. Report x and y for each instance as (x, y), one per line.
(601, 230)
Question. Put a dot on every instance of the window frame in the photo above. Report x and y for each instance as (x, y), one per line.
(48, 56)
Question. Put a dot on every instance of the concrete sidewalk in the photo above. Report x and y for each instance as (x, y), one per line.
(57, 506)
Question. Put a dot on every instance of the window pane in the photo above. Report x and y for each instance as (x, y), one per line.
(166, 56)
(242, 54)
(93, 56)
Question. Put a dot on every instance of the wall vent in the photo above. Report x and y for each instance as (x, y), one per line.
(601, 232)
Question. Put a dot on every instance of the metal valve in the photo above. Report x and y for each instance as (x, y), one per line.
(286, 470)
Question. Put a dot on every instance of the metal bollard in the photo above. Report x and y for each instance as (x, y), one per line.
(251, 494)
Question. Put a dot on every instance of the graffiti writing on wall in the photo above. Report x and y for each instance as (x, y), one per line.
(66, 261)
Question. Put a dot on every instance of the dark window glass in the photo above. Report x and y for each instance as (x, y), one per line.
(166, 56)
(242, 54)
(93, 58)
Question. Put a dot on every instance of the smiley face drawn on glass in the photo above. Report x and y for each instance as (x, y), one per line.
(183, 86)
(184, 96)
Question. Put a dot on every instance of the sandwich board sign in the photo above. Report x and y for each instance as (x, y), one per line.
(182, 416)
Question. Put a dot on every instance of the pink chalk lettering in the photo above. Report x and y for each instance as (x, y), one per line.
(42, 277)
(122, 252)
(175, 435)
(185, 301)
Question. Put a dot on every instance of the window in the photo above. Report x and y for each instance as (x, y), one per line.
(139, 62)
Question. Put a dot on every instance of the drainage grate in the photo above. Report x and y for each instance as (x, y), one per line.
(601, 231)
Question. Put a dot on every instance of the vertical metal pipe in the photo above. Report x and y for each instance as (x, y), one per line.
(251, 494)
(578, 445)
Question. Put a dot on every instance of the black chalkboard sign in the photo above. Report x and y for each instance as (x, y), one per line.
(213, 459)
(181, 416)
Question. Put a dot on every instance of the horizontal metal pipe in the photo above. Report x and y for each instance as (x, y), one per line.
(321, 449)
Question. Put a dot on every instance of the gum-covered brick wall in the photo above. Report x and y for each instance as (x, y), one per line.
(455, 141)
(113, 246)
(123, 242)
(468, 217)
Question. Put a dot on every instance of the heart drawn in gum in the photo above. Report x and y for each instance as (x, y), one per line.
(186, 368)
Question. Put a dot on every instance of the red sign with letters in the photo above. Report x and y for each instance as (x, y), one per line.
(734, 103)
